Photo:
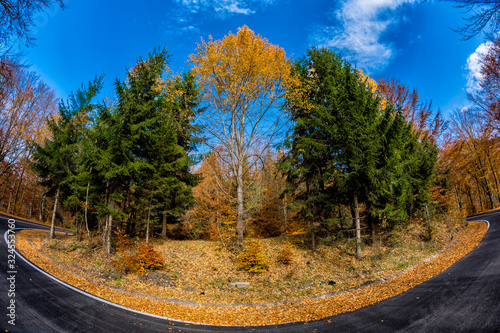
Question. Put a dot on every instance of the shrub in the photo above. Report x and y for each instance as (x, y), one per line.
(286, 255)
(148, 258)
(144, 258)
(252, 259)
(428, 233)
(123, 242)
(127, 263)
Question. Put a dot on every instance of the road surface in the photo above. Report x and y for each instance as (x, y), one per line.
(464, 298)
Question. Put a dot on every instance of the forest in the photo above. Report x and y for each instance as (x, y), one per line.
(246, 144)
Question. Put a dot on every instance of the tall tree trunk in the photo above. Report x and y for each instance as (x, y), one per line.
(3, 194)
(109, 223)
(32, 204)
(313, 235)
(164, 226)
(495, 178)
(471, 200)
(311, 225)
(21, 203)
(52, 222)
(358, 227)
(107, 234)
(285, 214)
(149, 217)
(479, 188)
(11, 195)
(485, 185)
(17, 191)
(240, 223)
(42, 207)
(459, 199)
(86, 209)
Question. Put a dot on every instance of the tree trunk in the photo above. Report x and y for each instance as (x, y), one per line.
(485, 185)
(32, 204)
(42, 207)
(459, 199)
(471, 200)
(240, 223)
(52, 228)
(149, 217)
(495, 178)
(164, 226)
(358, 227)
(86, 209)
(3, 194)
(285, 214)
(109, 224)
(10, 197)
(107, 234)
(21, 203)
(313, 236)
(17, 191)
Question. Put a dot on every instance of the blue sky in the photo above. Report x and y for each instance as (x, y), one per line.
(409, 40)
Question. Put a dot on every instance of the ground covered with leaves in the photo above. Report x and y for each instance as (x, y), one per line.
(293, 285)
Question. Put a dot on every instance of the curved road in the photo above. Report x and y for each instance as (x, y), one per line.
(464, 298)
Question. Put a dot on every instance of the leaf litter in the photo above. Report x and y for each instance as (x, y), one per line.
(298, 292)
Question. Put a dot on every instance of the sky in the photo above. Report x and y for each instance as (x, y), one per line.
(410, 40)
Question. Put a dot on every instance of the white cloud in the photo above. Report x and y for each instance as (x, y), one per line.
(358, 30)
(224, 7)
(186, 16)
(233, 8)
(474, 75)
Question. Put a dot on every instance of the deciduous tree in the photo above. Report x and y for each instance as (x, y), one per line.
(243, 79)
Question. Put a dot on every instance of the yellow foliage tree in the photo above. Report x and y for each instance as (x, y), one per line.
(243, 79)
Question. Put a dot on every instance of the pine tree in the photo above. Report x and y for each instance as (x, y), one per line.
(347, 148)
(55, 162)
(146, 152)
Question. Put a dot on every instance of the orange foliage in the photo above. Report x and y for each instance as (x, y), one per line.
(471, 156)
(144, 258)
(419, 113)
(214, 214)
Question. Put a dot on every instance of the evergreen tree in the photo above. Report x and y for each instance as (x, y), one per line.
(333, 144)
(56, 161)
(146, 152)
(345, 148)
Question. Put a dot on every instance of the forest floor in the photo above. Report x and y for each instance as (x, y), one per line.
(311, 286)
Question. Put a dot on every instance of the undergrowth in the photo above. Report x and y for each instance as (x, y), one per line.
(278, 269)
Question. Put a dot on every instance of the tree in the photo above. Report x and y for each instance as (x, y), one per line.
(483, 12)
(83, 110)
(55, 161)
(425, 122)
(173, 164)
(333, 144)
(471, 156)
(144, 140)
(486, 98)
(213, 215)
(24, 103)
(243, 79)
(346, 147)
(17, 18)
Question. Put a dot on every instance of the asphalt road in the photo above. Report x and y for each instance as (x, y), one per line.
(464, 298)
